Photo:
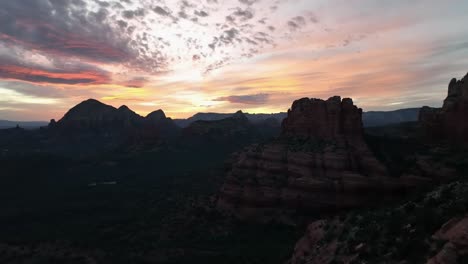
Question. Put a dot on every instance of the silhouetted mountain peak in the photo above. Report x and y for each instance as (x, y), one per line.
(156, 115)
(124, 108)
(126, 113)
(88, 109)
(240, 115)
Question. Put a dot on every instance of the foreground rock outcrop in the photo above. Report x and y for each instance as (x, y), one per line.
(450, 122)
(430, 229)
(320, 161)
(454, 234)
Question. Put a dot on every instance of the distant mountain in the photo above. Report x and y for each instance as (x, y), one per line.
(370, 119)
(382, 118)
(253, 118)
(225, 128)
(93, 109)
(94, 117)
(23, 124)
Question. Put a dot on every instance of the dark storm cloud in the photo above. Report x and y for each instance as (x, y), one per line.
(245, 99)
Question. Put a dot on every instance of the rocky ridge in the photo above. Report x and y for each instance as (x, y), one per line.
(92, 115)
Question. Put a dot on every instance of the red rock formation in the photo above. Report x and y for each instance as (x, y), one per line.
(308, 249)
(330, 119)
(450, 122)
(320, 162)
(455, 235)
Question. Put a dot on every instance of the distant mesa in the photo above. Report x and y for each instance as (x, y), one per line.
(449, 123)
(320, 162)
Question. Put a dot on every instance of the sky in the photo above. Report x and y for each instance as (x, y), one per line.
(189, 56)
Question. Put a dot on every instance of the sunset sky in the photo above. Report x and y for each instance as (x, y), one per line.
(224, 55)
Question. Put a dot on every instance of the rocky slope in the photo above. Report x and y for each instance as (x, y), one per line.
(430, 229)
(450, 122)
(320, 161)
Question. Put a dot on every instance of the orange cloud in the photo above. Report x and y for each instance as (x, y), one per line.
(37, 75)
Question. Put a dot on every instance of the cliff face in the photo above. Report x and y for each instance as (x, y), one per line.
(328, 120)
(320, 161)
(449, 123)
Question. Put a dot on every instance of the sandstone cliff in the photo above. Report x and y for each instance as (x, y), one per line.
(320, 161)
(449, 123)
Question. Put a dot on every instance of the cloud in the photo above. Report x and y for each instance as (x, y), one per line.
(136, 82)
(201, 13)
(11, 69)
(313, 18)
(94, 32)
(297, 22)
(248, 2)
(58, 28)
(161, 11)
(244, 14)
(129, 14)
(260, 98)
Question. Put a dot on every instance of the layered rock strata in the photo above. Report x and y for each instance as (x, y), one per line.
(320, 161)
